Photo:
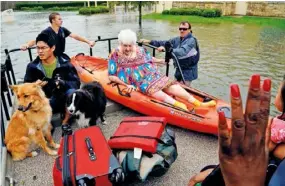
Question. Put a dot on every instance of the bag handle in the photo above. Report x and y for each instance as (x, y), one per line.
(145, 137)
(66, 176)
(89, 146)
(66, 164)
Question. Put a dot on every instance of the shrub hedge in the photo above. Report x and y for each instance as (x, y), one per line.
(36, 8)
(194, 11)
(93, 10)
(47, 5)
(40, 8)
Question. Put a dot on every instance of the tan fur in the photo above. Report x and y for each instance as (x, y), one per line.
(29, 129)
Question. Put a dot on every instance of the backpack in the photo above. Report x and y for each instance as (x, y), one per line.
(149, 164)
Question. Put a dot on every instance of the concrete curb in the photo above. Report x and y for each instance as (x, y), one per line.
(3, 167)
(113, 107)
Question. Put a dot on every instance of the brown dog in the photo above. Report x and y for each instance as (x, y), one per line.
(30, 124)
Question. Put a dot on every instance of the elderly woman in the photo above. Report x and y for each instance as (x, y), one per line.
(134, 67)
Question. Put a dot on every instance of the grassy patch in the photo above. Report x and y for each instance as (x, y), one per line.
(265, 21)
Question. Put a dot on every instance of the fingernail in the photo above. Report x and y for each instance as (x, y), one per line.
(255, 81)
(267, 85)
(235, 91)
(222, 117)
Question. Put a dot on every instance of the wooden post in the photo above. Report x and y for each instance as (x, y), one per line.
(88, 3)
(95, 3)
(108, 4)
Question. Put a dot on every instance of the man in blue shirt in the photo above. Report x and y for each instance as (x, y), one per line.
(186, 48)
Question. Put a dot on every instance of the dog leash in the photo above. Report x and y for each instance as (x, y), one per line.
(119, 90)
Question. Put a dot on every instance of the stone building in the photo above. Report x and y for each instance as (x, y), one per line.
(264, 8)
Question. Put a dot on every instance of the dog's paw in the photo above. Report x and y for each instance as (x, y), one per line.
(56, 145)
(34, 153)
(52, 153)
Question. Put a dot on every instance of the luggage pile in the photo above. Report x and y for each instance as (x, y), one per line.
(140, 147)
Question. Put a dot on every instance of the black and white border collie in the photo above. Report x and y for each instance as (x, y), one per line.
(87, 104)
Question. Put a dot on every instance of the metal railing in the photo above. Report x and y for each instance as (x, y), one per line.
(168, 53)
(8, 78)
(115, 38)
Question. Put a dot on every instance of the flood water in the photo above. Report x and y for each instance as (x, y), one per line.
(230, 53)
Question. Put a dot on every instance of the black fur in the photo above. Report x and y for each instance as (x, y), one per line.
(90, 100)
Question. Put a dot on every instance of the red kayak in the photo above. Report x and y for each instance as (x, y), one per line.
(197, 119)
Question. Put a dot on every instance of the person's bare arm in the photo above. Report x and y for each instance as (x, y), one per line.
(279, 152)
(199, 177)
(159, 62)
(28, 45)
(82, 39)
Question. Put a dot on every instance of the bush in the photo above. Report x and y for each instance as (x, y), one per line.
(72, 8)
(93, 10)
(55, 8)
(47, 5)
(25, 8)
(85, 11)
(38, 8)
(218, 12)
(209, 13)
(64, 8)
(165, 12)
(194, 11)
(175, 11)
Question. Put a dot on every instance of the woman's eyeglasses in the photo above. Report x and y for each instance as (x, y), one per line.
(184, 29)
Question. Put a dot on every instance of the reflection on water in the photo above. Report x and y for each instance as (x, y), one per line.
(230, 53)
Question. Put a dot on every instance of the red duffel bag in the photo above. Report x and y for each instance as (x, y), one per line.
(140, 132)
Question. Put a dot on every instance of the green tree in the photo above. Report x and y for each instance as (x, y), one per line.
(139, 5)
(136, 4)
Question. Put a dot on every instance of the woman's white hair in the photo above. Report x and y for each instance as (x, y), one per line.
(127, 36)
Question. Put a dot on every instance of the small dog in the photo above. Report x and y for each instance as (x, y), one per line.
(87, 104)
(30, 124)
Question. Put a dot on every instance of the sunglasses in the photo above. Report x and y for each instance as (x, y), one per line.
(184, 29)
